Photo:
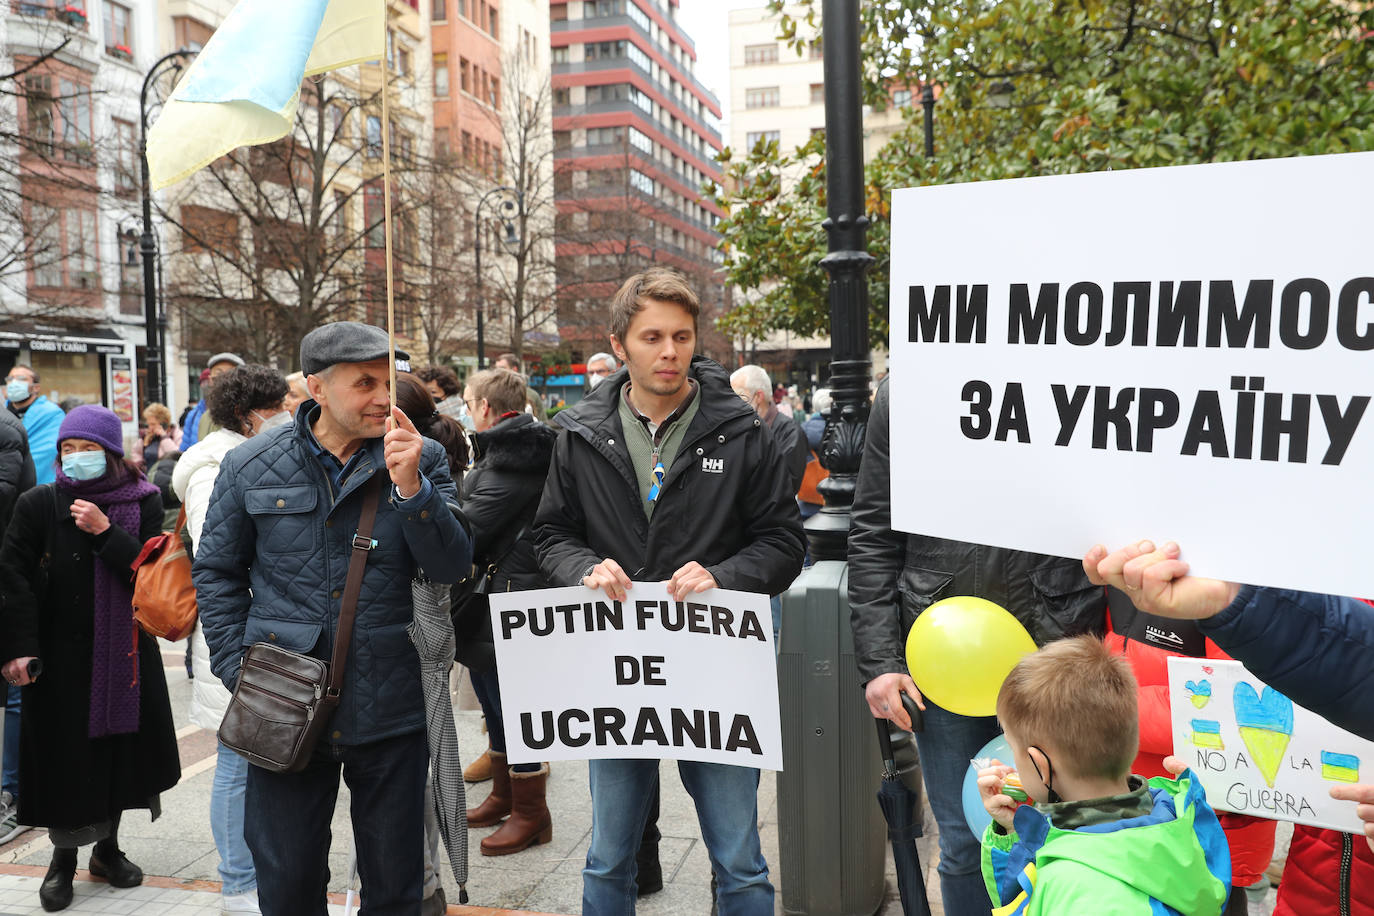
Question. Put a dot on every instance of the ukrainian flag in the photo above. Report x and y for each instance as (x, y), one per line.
(1340, 767)
(242, 89)
(1207, 733)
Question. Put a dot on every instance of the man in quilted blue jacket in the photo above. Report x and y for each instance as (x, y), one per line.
(271, 568)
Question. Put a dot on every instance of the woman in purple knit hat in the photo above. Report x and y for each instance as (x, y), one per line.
(97, 736)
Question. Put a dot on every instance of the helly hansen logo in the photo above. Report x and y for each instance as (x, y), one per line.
(713, 465)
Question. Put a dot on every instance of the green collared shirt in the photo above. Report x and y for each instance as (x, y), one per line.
(643, 439)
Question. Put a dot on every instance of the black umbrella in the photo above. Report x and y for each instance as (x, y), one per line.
(901, 804)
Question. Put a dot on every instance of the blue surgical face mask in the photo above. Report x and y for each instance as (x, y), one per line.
(465, 418)
(84, 465)
(17, 390)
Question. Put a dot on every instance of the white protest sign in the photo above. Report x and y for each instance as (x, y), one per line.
(1257, 752)
(584, 677)
(1176, 353)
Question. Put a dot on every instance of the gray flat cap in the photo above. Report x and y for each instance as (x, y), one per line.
(224, 358)
(343, 342)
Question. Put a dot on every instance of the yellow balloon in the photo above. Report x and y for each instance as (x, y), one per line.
(961, 649)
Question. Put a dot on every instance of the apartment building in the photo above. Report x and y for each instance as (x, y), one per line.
(70, 276)
(635, 135)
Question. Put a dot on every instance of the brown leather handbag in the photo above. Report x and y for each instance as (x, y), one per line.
(283, 700)
(164, 596)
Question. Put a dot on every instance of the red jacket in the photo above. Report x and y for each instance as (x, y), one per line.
(1251, 838)
(1328, 872)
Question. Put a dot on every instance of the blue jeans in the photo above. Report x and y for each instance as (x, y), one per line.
(726, 798)
(946, 745)
(10, 778)
(487, 686)
(287, 818)
(226, 823)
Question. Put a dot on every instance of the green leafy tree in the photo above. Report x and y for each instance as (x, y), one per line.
(1029, 87)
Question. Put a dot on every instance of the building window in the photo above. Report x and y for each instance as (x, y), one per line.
(562, 140)
(814, 49)
(338, 220)
(642, 99)
(641, 182)
(374, 216)
(762, 98)
(441, 75)
(38, 104)
(464, 75)
(441, 143)
(902, 98)
(640, 17)
(494, 94)
(81, 247)
(204, 229)
(47, 246)
(119, 32)
(440, 10)
(638, 58)
(641, 141)
(493, 27)
(761, 54)
(560, 55)
(818, 93)
(75, 106)
(558, 12)
(754, 138)
(390, 49)
(605, 136)
(403, 60)
(126, 156)
(374, 137)
(562, 96)
(191, 34)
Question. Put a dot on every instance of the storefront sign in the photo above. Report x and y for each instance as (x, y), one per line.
(122, 389)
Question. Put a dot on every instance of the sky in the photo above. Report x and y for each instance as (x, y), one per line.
(708, 24)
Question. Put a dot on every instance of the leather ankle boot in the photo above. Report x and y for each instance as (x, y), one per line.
(529, 823)
(55, 893)
(109, 863)
(480, 769)
(497, 804)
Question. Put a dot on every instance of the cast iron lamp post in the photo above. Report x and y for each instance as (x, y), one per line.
(507, 208)
(928, 103)
(154, 320)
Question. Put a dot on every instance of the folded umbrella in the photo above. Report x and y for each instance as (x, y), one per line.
(901, 806)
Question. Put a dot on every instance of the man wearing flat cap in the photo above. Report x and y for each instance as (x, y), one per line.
(271, 568)
(198, 424)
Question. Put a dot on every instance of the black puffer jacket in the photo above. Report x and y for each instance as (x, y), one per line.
(501, 495)
(724, 504)
(16, 465)
(894, 576)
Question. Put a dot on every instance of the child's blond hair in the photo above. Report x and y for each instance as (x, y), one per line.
(1076, 701)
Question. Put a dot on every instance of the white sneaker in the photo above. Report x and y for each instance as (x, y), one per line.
(231, 904)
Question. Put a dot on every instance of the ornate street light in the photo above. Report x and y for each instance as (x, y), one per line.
(510, 205)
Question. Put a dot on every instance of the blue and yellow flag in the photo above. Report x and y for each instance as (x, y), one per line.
(242, 89)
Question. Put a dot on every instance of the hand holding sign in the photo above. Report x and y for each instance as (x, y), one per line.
(689, 579)
(401, 449)
(1365, 796)
(609, 577)
(1157, 581)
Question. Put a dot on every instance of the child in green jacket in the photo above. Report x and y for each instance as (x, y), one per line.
(1094, 838)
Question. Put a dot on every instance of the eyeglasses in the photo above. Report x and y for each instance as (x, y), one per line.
(603, 372)
(472, 402)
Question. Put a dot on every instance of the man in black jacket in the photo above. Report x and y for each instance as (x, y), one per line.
(892, 578)
(662, 473)
(16, 465)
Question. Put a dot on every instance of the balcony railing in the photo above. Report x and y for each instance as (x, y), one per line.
(72, 14)
(578, 25)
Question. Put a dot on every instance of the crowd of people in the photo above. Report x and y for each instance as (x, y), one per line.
(476, 489)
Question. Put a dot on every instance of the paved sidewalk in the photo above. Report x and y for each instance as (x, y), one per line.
(178, 854)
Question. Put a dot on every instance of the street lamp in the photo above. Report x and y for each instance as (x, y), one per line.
(513, 205)
(928, 104)
(152, 315)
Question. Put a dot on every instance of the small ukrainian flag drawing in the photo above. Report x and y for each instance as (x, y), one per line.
(1340, 767)
(1207, 733)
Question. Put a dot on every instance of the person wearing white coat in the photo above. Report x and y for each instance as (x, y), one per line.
(243, 403)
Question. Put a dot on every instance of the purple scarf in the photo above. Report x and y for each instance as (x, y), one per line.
(114, 658)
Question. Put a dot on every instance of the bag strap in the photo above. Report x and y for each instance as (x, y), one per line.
(353, 585)
(494, 564)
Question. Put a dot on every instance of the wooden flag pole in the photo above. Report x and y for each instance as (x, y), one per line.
(386, 205)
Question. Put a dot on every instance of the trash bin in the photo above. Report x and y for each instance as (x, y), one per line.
(831, 834)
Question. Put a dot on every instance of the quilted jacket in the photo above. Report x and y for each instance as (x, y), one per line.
(274, 555)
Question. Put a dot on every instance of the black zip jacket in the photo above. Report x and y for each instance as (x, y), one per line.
(725, 501)
(894, 576)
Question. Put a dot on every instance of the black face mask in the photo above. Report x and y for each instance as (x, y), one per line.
(1046, 778)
